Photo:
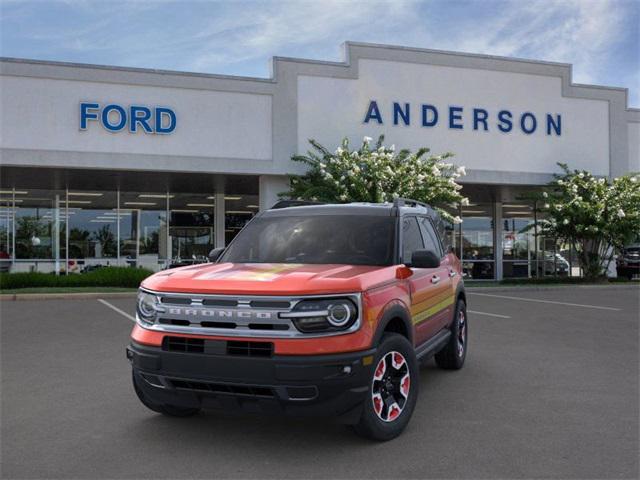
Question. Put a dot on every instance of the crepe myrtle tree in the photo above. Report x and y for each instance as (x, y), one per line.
(376, 173)
(594, 215)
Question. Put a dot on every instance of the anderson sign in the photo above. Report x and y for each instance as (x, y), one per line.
(460, 118)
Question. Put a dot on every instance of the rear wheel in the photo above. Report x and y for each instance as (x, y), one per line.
(165, 409)
(393, 390)
(452, 356)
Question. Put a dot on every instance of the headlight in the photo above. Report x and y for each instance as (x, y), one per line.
(146, 307)
(323, 315)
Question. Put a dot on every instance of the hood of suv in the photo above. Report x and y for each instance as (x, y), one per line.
(269, 279)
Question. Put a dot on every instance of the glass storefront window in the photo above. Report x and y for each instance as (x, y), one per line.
(92, 229)
(477, 241)
(239, 209)
(6, 229)
(192, 227)
(144, 220)
(39, 228)
(518, 241)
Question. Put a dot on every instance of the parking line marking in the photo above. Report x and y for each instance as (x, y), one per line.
(488, 314)
(116, 309)
(545, 301)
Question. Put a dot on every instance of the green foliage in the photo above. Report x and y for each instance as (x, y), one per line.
(125, 277)
(377, 174)
(594, 215)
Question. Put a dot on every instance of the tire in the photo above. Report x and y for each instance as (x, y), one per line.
(398, 380)
(452, 356)
(165, 409)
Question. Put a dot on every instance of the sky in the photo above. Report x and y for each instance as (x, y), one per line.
(601, 38)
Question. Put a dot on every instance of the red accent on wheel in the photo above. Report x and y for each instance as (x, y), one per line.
(394, 411)
(404, 386)
(380, 369)
(398, 360)
(377, 404)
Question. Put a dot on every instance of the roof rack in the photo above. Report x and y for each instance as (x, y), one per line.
(294, 203)
(402, 202)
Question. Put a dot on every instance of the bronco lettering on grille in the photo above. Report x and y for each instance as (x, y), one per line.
(210, 313)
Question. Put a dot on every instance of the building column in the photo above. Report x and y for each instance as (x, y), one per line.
(270, 186)
(219, 220)
(497, 242)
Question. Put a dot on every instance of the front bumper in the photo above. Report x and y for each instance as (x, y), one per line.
(301, 385)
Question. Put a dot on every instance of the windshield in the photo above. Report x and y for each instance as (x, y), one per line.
(346, 239)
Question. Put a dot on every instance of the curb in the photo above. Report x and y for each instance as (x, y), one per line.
(8, 297)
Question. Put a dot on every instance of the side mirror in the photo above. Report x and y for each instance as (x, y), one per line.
(215, 254)
(424, 259)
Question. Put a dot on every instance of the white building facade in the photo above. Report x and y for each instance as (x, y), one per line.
(119, 166)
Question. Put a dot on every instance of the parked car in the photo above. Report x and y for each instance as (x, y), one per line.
(628, 263)
(311, 310)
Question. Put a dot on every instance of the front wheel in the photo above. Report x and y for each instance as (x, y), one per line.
(452, 356)
(393, 390)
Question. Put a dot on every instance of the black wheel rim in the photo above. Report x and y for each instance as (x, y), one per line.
(462, 333)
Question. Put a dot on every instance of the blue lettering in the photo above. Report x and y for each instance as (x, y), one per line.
(373, 112)
(504, 118)
(557, 125)
(480, 115)
(139, 115)
(105, 118)
(455, 113)
(425, 116)
(162, 112)
(399, 112)
(85, 114)
(523, 123)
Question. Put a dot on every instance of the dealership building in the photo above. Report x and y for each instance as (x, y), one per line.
(106, 165)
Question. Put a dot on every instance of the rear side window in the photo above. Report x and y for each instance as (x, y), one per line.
(411, 238)
(431, 241)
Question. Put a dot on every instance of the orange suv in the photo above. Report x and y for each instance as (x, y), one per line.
(311, 310)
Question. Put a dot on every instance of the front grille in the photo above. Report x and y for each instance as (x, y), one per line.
(250, 349)
(217, 347)
(246, 390)
(183, 344)
(259, 317)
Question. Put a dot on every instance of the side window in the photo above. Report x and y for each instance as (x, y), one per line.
(431, 241)
(411, 238)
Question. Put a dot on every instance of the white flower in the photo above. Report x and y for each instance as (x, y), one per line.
(633, 179)
(621, 213)
(464, 202)
(545, 195)
(457, 220)
(461, 170)
(339, 151)
(581, 175)
(392, 148)
(546, 205)
(565, 221)
(343, 197)
(367, 139)
(560, 182)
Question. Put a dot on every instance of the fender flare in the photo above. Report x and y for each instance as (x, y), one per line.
(394, 310)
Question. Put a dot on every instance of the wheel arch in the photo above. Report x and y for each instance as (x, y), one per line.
(397, 319)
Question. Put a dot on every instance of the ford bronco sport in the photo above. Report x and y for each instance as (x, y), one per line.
(311, 310)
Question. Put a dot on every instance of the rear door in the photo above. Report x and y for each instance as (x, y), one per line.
(426, 284)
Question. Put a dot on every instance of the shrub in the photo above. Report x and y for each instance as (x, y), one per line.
(377, 174)
(125, 277)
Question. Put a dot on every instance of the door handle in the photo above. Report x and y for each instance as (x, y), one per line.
(435, 279)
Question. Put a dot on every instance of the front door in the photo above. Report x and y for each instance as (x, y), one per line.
(430, 287)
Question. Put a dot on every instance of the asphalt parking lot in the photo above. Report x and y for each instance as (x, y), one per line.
(550, 389)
